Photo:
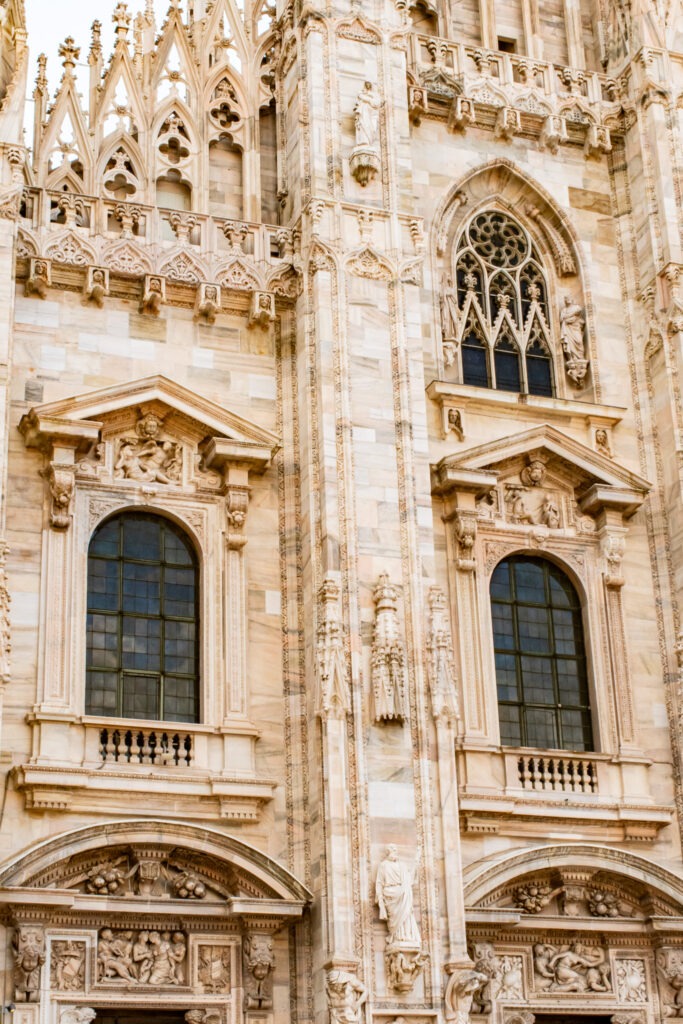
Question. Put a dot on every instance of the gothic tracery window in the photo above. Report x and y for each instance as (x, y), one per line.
(502, 299)
(143, 621)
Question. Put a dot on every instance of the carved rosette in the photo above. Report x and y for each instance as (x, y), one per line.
(388, 667)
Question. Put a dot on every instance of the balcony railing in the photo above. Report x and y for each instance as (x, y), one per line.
(146, 746)
(563, 774)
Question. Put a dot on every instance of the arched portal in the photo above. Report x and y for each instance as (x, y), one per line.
(148, 921)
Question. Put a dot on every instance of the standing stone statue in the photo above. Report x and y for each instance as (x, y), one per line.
(365, 163)
(394, 897)
(449, 311)
(572, 323)
(366, 113)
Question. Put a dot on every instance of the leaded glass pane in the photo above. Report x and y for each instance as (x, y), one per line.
(142, 637)
(540, 658)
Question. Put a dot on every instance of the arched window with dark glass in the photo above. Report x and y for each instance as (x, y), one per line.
(503, 318)
(143, 621)
(540, 655)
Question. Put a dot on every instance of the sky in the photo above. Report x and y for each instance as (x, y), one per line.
(50, 21)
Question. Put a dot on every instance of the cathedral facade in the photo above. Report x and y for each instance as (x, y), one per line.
(341, 516)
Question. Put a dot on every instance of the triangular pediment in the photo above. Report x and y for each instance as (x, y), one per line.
(568, 463)
(115, 409)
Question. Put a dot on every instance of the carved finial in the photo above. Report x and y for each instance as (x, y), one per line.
(95, 42)
(69, 53)
(442, 683)
(121, 19)
(334, 700)
(41, 77)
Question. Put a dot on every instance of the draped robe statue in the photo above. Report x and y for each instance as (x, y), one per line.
(394, 896)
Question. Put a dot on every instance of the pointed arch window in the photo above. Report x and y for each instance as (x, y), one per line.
(142, 621)
(541, 669)
(502, 298)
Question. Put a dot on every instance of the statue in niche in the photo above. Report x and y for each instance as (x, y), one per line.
(572, 325)
(449, 311)
(366, 113)
(394, 897)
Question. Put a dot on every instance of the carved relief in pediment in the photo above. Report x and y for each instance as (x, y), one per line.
(534, 490)
(151, 872)
(580, 894)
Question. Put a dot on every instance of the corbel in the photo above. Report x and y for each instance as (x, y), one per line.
(461, 114)
(598, 140)
(63, 442)
(460, 489)
(208, 304)
(39, 276)
(261, 309)
(553, 132)
(234, 460)
(153, 294)
(96, 286)
(508, 124)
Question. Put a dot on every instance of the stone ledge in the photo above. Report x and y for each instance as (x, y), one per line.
(112, 789)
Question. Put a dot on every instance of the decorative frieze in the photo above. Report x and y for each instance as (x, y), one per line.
(141, 958)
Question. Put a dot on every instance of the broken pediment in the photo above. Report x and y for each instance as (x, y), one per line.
(543, 477)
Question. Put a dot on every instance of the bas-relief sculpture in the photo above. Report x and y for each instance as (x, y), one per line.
(141, 958)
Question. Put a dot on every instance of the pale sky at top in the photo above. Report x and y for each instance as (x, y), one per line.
(50, 21)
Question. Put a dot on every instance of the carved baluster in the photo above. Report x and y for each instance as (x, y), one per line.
(145, 749)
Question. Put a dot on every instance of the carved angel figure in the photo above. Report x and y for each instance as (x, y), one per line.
(366, 113)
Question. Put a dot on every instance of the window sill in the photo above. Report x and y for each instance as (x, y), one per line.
(486, 400)
(175, 768)
(527, 791)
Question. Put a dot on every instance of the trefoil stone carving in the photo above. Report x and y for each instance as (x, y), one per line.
(28, 950)
(259, 961)
(365, 162)
(334, 699)
(345, 996)
(388, 668)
